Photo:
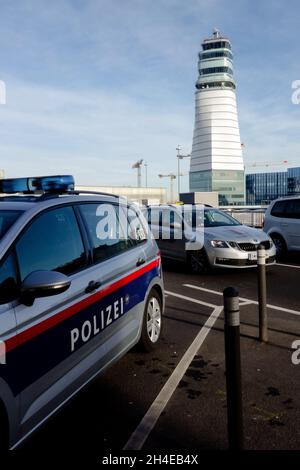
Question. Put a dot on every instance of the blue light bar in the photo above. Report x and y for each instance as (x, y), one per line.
(57, 183)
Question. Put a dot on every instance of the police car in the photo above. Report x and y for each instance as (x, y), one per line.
(80, 284)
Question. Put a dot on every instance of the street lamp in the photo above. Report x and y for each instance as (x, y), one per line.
(172, 177)
(146, 173)
(138, 166)
(180, 157)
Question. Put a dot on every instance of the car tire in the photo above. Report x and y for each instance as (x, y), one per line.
(4, 445)
(280, 245)
(152, 322)
(198, 262)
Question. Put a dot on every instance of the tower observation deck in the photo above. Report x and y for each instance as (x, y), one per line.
(217, 160)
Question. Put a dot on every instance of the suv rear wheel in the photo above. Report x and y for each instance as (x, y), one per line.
(152, 322)
(281, 248)
(3, 429)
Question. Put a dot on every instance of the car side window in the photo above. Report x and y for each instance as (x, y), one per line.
(296, 209)
(278, 210)
(51, 242)
(137, 231)
(8, 280)
(166, 218)
(169, 217)
(106, 231)
(293, 209)
(154, 216)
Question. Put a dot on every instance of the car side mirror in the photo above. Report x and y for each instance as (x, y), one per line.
(42, 284)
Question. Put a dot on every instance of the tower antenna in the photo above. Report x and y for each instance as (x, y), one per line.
(216, 33)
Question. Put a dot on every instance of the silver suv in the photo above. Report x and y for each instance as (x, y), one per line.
(282, 223)
(80, 284)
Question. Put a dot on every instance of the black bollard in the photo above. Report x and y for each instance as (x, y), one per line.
(233, 368)
(262, 293)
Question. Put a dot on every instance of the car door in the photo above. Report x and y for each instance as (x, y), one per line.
(154, 223)
(292, 224)
(9, 367)
(120, 263)
(172, 234)
(48, 368)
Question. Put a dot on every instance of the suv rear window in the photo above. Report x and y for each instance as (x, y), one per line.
(278, 210)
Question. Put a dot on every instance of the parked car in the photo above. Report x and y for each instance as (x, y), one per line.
(72, 301)
(282, 224)
(207, 238)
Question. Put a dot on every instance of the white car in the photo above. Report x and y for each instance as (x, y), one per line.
(282, 224)
(206, 238)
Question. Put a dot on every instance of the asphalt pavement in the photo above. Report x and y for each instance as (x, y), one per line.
(175, 398)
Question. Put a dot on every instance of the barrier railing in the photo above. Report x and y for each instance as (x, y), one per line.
(254, 218)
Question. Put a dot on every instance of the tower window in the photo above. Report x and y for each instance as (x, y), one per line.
(210, 55)
(215, 70)
(216, 45)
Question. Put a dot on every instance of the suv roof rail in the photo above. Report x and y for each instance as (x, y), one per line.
(100, 193)
(40, 197)
(177, 205)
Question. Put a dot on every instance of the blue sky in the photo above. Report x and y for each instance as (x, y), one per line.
(94, 85)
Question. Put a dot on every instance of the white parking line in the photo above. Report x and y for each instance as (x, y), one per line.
(139, 436)
(191, 299)
(248, 301)
(288, 265)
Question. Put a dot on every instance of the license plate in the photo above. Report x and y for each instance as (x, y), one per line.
(252, 256)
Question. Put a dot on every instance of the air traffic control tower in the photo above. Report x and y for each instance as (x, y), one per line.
(217, 160)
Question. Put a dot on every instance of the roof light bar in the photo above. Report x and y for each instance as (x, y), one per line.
(56, 183)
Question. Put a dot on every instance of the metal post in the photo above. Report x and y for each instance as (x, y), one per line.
(139, 176)
(178, 177)
(233, 368)
(171, 189)
(178, 148)
(146, 174)
(262, 293)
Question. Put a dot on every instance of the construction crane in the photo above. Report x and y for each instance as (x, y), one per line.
(180, 157)
(269, 164)
(138, 166)
(172, 177)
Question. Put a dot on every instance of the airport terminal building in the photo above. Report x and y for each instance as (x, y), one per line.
(262, 188)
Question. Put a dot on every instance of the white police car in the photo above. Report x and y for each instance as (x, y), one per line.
(80, 284)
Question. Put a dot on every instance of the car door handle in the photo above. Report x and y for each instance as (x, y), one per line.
(92, 286)
(140, 261)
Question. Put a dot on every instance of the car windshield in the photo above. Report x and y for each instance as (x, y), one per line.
(209, 218)
(7, 218)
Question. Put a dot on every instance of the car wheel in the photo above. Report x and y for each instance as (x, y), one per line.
(3, 430)
(152, 322)
(198, 262)
(280, 245)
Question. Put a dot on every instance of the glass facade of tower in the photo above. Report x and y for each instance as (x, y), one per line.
(229, 184)
(216, 160)
(215, 65)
